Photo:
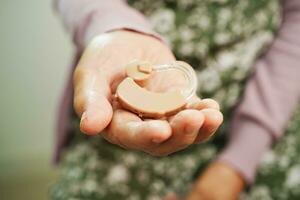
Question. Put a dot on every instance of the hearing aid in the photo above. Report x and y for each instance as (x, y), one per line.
(133, 96)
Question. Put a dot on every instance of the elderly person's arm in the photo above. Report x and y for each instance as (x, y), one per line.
(271, 96)
(85, 19)
(112, 34)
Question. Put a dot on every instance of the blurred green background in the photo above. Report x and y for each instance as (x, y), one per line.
(35, 54)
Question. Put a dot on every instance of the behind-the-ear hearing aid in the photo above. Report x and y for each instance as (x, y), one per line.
(132, 96)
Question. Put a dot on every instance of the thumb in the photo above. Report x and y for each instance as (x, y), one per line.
(91, 100)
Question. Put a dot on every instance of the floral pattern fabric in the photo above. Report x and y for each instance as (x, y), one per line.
(221, 39)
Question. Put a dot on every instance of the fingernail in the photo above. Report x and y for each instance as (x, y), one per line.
(83, 117)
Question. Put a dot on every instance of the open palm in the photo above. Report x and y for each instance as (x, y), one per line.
(99, 71)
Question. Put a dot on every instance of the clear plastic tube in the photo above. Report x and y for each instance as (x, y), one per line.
(187, 71)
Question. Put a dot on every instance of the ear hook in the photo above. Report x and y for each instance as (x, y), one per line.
(132, 96)
(188, 73)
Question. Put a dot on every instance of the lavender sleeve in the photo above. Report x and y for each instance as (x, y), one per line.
(86, 18)
(271, 95)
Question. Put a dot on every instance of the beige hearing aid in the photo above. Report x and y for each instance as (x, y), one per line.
(132, 96)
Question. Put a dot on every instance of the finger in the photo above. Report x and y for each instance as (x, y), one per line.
(185, 126)
(128, 130)
(91, 103)
(213, 119)
(204, 103)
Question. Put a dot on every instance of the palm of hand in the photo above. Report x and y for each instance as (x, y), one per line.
(96, 77)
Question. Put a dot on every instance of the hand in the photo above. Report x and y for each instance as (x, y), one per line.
(218, 182)
(101, 69)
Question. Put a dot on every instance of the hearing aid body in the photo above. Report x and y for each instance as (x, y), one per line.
(132, 96)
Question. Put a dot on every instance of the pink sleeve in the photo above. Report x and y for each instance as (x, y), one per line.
(270, 98)
(87, 18)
